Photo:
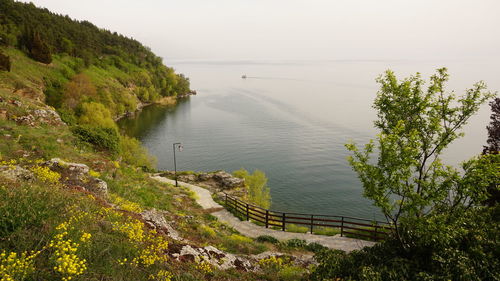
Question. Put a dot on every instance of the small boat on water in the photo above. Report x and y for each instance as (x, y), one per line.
(244, 76)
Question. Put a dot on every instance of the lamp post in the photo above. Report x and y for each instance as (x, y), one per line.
(179, 145)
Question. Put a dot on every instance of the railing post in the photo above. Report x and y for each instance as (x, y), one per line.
(342, 228)
(283, 225)
(312, 220)
(248, 215)
(267, 218)
(375, 234)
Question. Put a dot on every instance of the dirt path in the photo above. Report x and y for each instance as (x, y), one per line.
(204, 199)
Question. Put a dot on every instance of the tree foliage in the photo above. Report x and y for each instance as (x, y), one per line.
(95, 114)
(256, 183)
(4, 62)
(461, 247)
(133, 153)
(41, 33)
(493, 147)
(408, 178)
(38, 48)
(78, 88)
(493, 128)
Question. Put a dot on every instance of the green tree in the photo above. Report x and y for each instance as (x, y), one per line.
(39, 50)
(493, 147)
(256, 184)
(78, 88)
(4, 62)
(95, 114)
(133, 153)
(408, 178)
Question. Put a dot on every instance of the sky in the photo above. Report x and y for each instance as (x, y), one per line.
(299, 29)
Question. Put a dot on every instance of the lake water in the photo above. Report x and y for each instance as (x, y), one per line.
(291, 120)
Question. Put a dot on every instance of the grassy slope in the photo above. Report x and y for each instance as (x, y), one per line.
(33, 213)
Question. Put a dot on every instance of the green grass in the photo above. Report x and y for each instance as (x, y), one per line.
(328, 231)
(296, 228)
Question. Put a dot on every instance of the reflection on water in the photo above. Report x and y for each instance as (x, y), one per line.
(293, 129)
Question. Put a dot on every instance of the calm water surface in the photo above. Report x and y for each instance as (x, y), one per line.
(291, 119)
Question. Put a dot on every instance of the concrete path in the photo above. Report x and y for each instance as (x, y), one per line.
(252, 230)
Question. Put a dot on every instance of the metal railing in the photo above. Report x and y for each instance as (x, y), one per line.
(349, 226)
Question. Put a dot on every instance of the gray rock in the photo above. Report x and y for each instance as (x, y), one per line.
(28, 120)
(76, 170)
(47, 116)
(158, 221)
(214, 257)
(77, 175)
(204, 177)
(98, 186)
(187, 178)
(227, 181)
(16, 173)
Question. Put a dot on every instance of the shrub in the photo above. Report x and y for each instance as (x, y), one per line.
(78, 88)
(94, 113)
(464, 247)
(207, 231)
(256, 183)
(102, 138)
(134, 154)
(296, 228)
(295, 243)
(4, 62)
(315, 247)
(267, 238)
(291, 273)
(67, 115)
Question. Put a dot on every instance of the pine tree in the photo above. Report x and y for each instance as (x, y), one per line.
(493, 129)
(493, 147)
(39, 50)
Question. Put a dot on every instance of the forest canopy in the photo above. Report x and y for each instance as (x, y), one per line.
(41, 33)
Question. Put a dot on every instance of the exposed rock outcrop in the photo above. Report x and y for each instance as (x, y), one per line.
(156, 219)
(77, 175)
(220, 180)
(48, 116)
(211, 255)
(16, 173)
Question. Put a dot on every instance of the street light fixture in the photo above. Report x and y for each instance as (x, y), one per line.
(180, 147)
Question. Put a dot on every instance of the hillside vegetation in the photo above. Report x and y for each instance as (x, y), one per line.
(77, 200)
(76, 197)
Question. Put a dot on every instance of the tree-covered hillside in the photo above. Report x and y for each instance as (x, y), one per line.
(41, 33)
(117, 71)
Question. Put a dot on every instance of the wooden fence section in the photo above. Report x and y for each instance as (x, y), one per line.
(349, 226)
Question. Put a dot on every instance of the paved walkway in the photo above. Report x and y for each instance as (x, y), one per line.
(252, 230)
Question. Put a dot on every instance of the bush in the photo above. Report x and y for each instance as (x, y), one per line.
(4, 62)
(296, 228)
(67, 116)
(102, 138)
(464, 247)
(295, 243)
(256, 183)
(315, 247)
(134, 154)
(268, 239)
(291, 273)
(94, 113)
(207, 231)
